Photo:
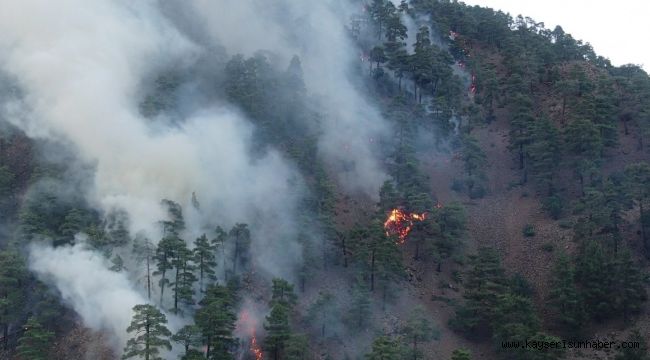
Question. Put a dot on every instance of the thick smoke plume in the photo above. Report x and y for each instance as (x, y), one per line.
(315, 31)
(80, 66)
(99, 296)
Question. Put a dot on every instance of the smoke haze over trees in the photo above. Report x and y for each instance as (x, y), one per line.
(334, 179)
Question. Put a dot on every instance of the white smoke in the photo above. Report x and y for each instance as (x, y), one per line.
(314, 30)
(79, 64)
(103, 298)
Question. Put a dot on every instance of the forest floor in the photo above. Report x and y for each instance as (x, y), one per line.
(498, 220)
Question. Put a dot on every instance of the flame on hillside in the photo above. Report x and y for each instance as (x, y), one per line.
(248, 324)
(400, 223)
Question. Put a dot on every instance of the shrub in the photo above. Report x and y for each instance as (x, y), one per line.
(553, 206)
(548, 247)
(529, 230)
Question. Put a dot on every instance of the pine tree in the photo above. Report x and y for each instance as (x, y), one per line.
(12, 296)
(451, 220)
(594, 272)
(188, 336)
(461, 354)
(628, 285)
(204, 258)
(545, 154)
(475, 161)
(631, 353)
(165, 255)
(175, 223)
(216, 319)
(418, 329)
(145, 252)
(360, 308)
(297, 348)
(35, 341)
(637, 179)
(277, 329)
(322, 311)
(151, 334)
(282, 293)
(182, 286)
(484, 285)
(564, 296)
(384, 348)
(219, 246)
(242, 240)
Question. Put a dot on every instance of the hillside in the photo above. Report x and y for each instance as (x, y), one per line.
(288, 180)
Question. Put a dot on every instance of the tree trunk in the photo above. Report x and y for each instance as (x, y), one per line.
(235, 257)
(5, 334)
(201, 273)
(415, 348)
(146, 341)
(162, 287)
(372, 271)
(148, 279)
(643, 234)
(563, 109)
(176, 291)
(345, 253)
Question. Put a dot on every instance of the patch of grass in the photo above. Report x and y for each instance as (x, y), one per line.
(529, 230)
(566, 224)
(443, 299)
(548, 247)
(457, 185)
(457, 276)
(513, 184)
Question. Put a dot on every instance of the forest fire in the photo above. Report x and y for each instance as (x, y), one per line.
(400, 223)
(256, 349)
(247, 325)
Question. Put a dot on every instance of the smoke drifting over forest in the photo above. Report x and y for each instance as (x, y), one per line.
(80, 66)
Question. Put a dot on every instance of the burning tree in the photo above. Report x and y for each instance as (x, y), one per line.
(400, 223)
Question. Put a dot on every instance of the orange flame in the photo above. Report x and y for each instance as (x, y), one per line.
(247, 324)
(400, 223)
(255, 348)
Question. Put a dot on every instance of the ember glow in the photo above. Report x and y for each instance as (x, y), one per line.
(255, 348)
(400, 223)
(247, 324)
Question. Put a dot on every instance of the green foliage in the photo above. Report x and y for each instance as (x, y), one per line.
(563, 295)
(35, 342)
(553, 205)
(359, 311)
(461, 354)
(204, 258)
(475, 160)
(188, 336)
(383, 348)
(13, 276)
(322, 311)
(297, 347)
(418, 329)
(631, 353)
(216, 319)
(241, 237)
(282, 294)
(278, 331)
(484, 283)
(528, 230)
(151, 334)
